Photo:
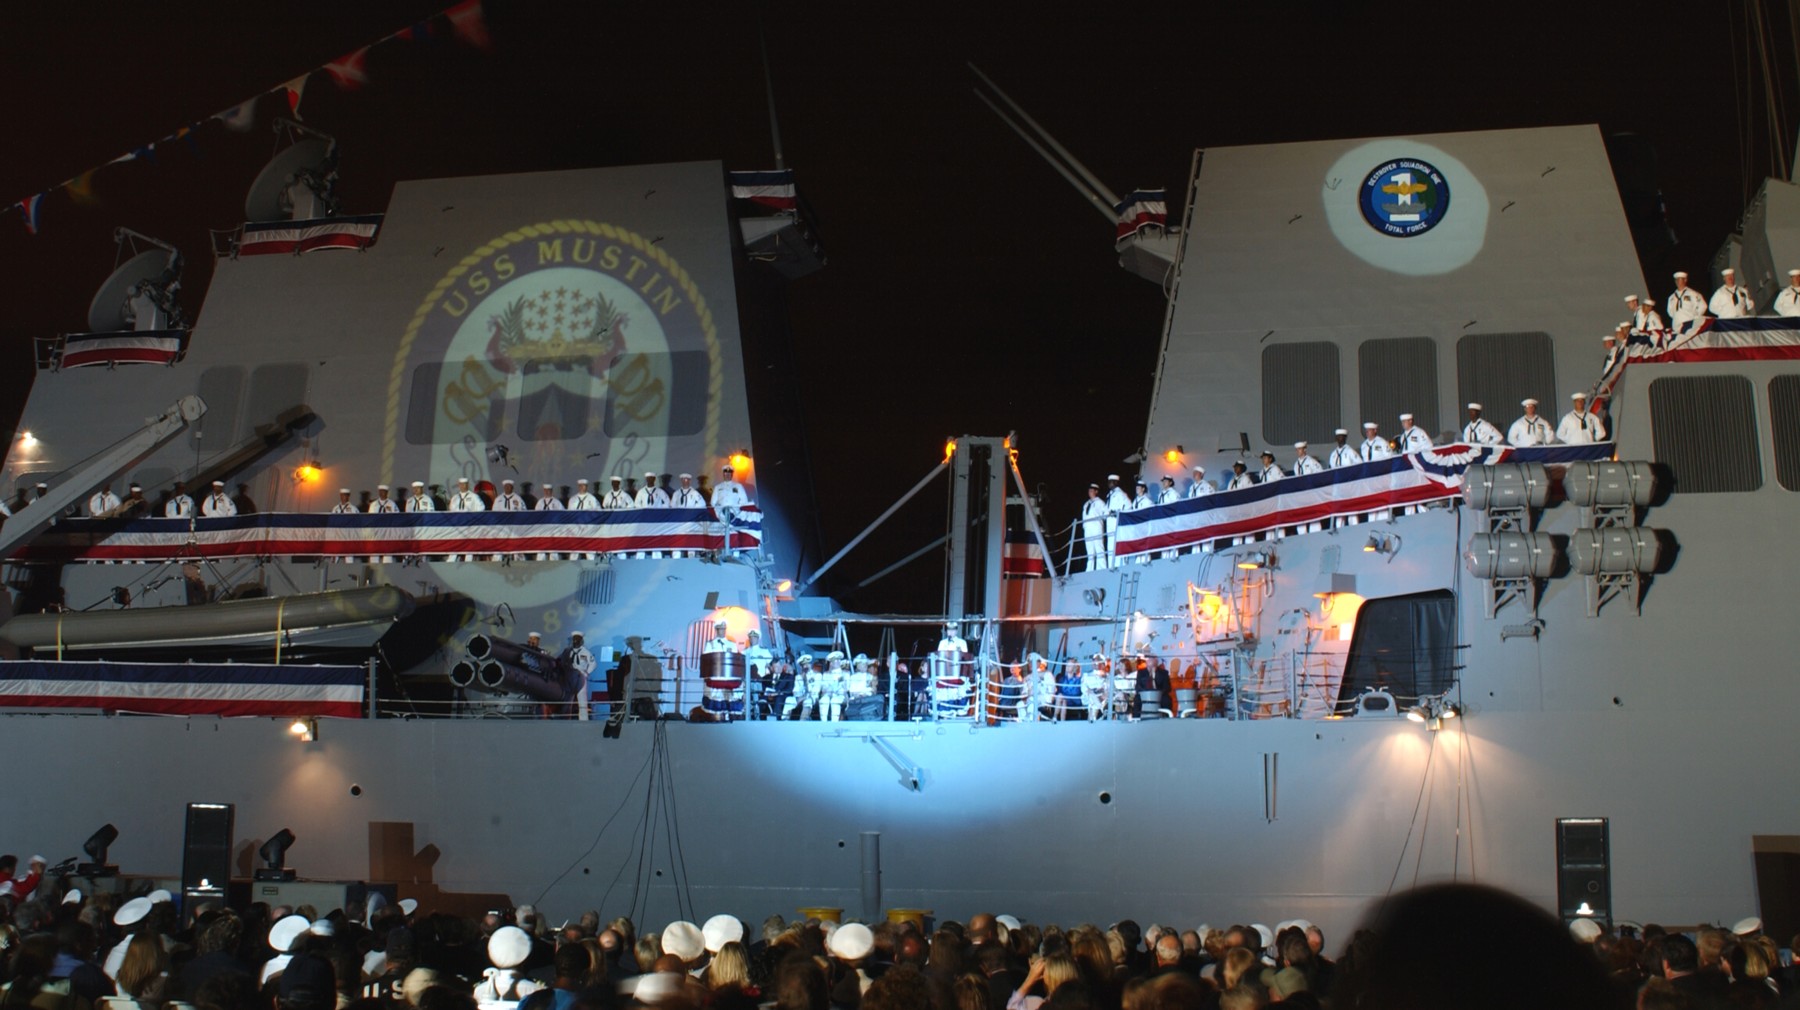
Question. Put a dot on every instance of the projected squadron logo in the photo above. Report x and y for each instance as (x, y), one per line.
(561, 350)
(1404, 198)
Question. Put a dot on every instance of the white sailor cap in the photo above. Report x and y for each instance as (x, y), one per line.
(682, 939)
(509, 947)
(343, 490)
(721, 930)
(462, 480)
(160, 896)
(1585, 930)
(132, 911)
(1474, 406)
(1681, 275)
(323, 927)
(1630, 298)
(73, 897)
(1529, 401)
(1263, 933)
(418, 483)
(1112, 476)
(283, 934)
(1142, 483)
(649, 474)
(1267, 454)
(1578, 395)
(1609, 336)
(687, 476)
(1009, 921)
(409, 905)
(1199, 469)
(1406, 417)
(137, 487)
(615, 479)
(1299, 445)
(1747, 926)
(851, 941)
(1339, 431)
(506, 483)
(1794, 272)
(216, 483)
(547, 486)
(1370, 424)
(1728, 272)
(1167, 479)
(727, 468)
(382, 487)
(582, 482)
(834, 656)
(1094, 485)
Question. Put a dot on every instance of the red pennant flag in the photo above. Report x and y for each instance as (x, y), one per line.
(30, 209)
(467, 22)
(347, 71)
(295, 89)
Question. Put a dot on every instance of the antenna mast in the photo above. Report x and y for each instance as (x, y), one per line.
(762, 39)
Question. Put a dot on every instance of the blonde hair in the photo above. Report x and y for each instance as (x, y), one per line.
(729, 966)
(1238, 960)
(144, 967)
(1059, 968)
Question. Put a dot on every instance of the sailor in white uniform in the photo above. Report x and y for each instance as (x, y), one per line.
(1271, 471)
(728, 493)
(1374, 447)
(103, 501)
(721, 640)
(1093, 529)
(757, 663)
(1240, 477)
(1685, 304)
(650, 496)
(1343, 453)
(1166, 493)
(509, 499)
(1645, 319)
(218, 504)
(1787, 303)
(951, 676)
(1579, 426)
(806, 690)
(383, 504)
(1305, 462)
(581, 660)
(1731, 301)
(547, 502)
(344, 506)
(1530, 429)
(1199, 487)
(465, 500)
(1479, 431)
(180, 505)
(1143, 499)
(686, 497)
(1412, 437)
(419, 501)
(718, 698)
(1117, 501)
(583, 500)
(1612, 348)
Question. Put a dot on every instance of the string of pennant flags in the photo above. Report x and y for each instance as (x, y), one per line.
(465, 20)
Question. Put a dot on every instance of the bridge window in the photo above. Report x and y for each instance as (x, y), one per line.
(1300, 392)
(1497, 370)
(1398, 375)
(1704, 431)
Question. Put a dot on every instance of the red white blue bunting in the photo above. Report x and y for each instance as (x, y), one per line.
(232, 689)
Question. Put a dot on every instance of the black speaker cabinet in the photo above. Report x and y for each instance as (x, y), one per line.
(1583, 869)
(206, 850)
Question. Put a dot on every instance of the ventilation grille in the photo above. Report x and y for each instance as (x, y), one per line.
(1398, 375)
(1704, 430)
(1300, 392)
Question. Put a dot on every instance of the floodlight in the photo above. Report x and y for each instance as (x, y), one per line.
(274, 857)
(96, 847)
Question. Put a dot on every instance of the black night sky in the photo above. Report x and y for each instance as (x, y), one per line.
(969, 288)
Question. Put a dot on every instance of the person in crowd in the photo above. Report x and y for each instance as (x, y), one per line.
(1685, 304)
(1530, 429)
(1580, 426)
(218, 505)
(1479, 431)
(1731, 301)
(180, 504)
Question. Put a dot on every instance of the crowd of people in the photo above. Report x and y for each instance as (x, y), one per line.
(1439, 946)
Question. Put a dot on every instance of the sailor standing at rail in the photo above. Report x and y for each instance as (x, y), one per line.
(686, 497)
(465, 500)
(103, 501)
(650, 497)
(1374, 447)
(547, 502)
(508, 500)
(383, 505)
(1731, 301)
(1579, 426)
(1117, 501)
(218, 504)
(1271, 471)
(1343, 454)
(727, 497)
(1478, 431)
(1412, 438)
(950, 680)
(1199, 487)
(419, 501)
(1142, 499)
(1645, 319)
(1530, 429)
(577, 657)
(583, 500)
(1240, 477)
(1787, 303)
(1305, 462)
(1685, 304)
(180, 505)
(1093, 529)
(1167, 495)
(344, 506)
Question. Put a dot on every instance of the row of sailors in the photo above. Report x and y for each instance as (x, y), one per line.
(728, 493)
(1100, 513)
(1730, 301)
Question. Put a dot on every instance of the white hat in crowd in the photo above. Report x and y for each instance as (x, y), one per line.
(509, 947)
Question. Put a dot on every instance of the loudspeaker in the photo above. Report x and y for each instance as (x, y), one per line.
(206, 849)
(1583, 869)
